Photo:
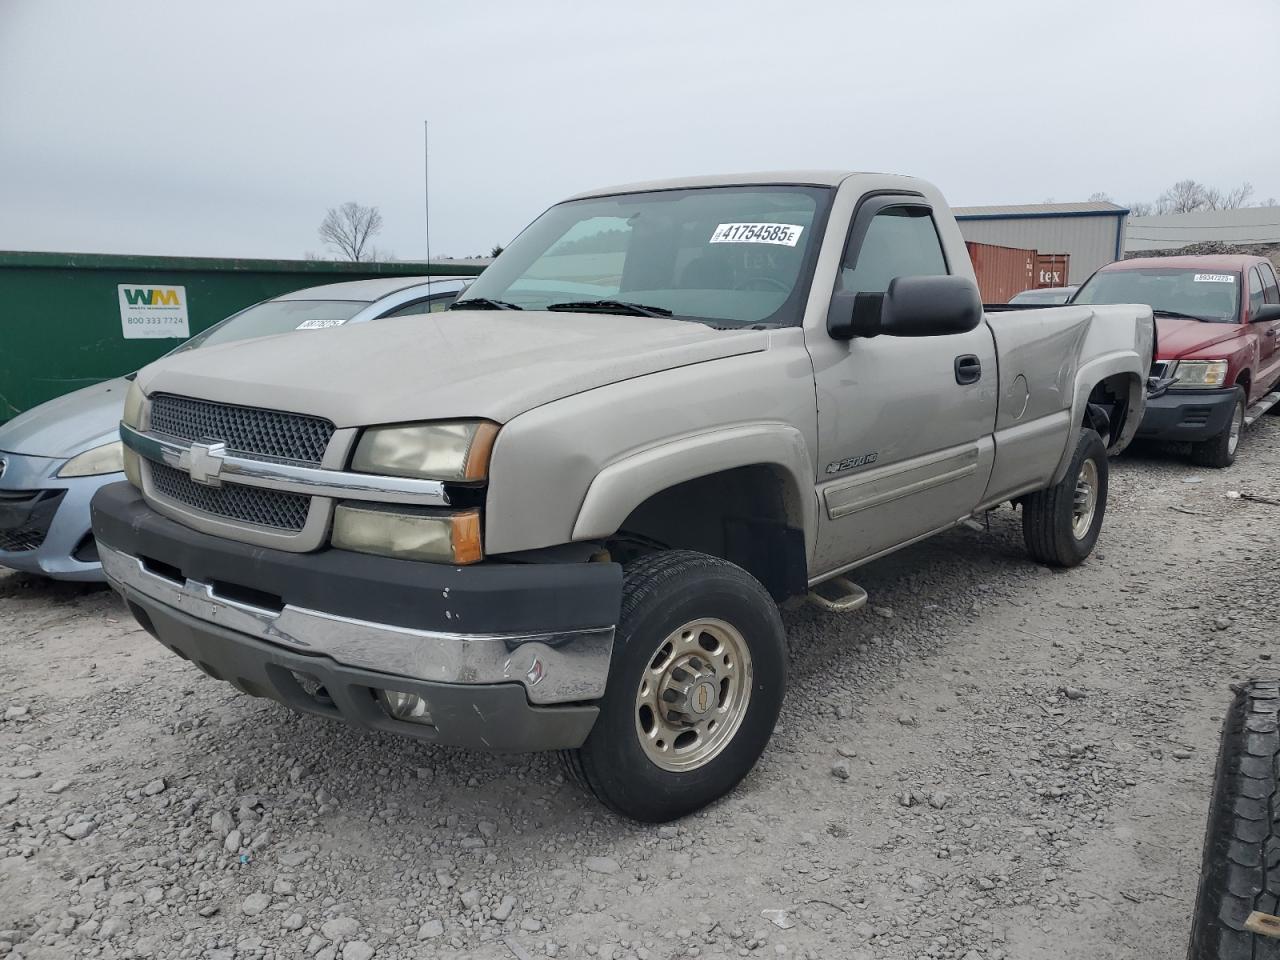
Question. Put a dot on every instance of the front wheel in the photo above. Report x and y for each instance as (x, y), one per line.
(698, 674)
(1060, 525)
(1220, 451)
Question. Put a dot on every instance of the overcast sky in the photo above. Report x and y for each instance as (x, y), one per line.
(227, 128)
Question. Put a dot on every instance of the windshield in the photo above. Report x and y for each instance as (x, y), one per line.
(722, 255)
(275, 316)
(1212, 297)
(1041, 296)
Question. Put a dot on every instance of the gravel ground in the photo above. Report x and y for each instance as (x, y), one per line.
(995, 760)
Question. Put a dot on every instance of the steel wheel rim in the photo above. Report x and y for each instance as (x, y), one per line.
(1085, 501)
(1237, 425)
(693, 695)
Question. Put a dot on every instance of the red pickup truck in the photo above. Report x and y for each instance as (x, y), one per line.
(1217, 361)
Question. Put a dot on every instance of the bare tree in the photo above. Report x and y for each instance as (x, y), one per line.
(1183, 197)
(1100, 197)
(1140, 209)
(495, 250)
(1216, 199)
(1269, 202)
(350, 228)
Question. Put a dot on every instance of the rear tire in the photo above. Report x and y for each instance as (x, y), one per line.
(699, 640)
(1060, 525)
(1240, 872)
(1220, 451)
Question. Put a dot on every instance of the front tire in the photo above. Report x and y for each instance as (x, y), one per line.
(698, 674)
(1220, 451)
(1060, 525)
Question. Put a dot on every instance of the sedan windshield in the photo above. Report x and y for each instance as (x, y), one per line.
(732, 256)
(1198, 294)
(276, 316)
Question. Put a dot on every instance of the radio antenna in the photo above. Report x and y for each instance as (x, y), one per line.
(426, 187)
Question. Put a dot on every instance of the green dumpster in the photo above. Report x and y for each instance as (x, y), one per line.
(68, 320)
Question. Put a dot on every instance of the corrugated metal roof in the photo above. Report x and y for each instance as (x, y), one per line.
(1039, 209)
(1245, 225)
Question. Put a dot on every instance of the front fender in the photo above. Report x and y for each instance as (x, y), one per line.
(626, 483)
(1128, 364)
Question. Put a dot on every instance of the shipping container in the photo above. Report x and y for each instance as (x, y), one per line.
(68, 320)
(1052, 269)
(1002, 271)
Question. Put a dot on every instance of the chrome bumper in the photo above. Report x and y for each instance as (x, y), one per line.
(566, 667)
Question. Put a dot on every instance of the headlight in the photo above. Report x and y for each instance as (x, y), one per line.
(397, 532)
(428, 451)
(108, 458)
(1200, 373)
(133, 405)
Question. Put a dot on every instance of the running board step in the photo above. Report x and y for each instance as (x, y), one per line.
(1261, 407)
(838, 595)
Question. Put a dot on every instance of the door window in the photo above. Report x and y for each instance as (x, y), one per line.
(900, 242)
(1270, 292)
(434, 304)
(1255, 291)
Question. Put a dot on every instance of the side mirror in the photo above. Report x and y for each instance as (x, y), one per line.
(911, 307)
(1266, 313)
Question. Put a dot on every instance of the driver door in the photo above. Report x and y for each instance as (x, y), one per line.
(904, 424)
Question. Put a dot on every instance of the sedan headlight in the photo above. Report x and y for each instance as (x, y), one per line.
(407, 534)
(1200, 373)
(108, 458)
(427, 451)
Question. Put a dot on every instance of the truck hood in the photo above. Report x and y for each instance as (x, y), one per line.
(465, 363)
(1180, 338)
(68, 425)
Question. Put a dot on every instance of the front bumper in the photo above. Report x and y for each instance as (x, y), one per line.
(507, 656)
(44, 520)
(1187, 415)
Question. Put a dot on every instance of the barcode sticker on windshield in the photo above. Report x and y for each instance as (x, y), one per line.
(784, 234)
(1214, 278)
(319, 324)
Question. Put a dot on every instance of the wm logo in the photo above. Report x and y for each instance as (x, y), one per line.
(152, 297)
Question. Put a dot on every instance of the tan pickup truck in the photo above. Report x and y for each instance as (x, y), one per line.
(561, 515)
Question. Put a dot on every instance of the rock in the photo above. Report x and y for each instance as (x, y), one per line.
(885, 612)
(1073, 693)
(155, 787)
(985, 883)
(357, 950)
(112, 927)
(907, 719)
(916, 883)
(20, 773)
(340, 928)
(841, 770)
(80, 829)
(487, 830)
(17, 712)
(282, 888)
(292, 922)
(503, 910)
(210, 911)
(601, 865)
(430, 929)
(470, 898)
(1182, 754)
(939, 800)
(905, 799)
(232, 842)
(255, 903)
(847, 750)
(222, 823)
(779, 918)
(58, 786)
(1221, 623)
(530, 925)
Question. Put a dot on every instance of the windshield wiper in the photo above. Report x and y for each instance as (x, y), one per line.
(1179, 316)
(483, 303)
(611, 306)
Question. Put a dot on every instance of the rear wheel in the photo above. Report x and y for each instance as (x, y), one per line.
(695, 686)
(1060, 525)
(1220, 451)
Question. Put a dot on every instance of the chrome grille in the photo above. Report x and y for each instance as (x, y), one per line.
(246, 430)
(256, 505)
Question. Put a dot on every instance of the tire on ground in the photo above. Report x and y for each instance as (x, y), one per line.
(1217, 452)
(1048, 516)
(1240, 871)
(661, 593)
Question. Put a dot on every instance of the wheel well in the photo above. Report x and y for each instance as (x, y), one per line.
(1245, 380)
(750, 516)
(1107, 410)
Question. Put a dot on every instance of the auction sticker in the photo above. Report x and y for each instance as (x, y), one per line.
(782, 234)
(1214, 278)
(319, 324)
(153, 312)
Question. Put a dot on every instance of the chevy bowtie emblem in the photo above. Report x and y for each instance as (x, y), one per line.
(203, 462)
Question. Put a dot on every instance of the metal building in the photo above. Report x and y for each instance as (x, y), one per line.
(1090, 233)
(1245, 226)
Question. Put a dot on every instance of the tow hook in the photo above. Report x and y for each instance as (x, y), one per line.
(838, 595)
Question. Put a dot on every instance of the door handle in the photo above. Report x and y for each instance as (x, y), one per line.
(968, 369)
